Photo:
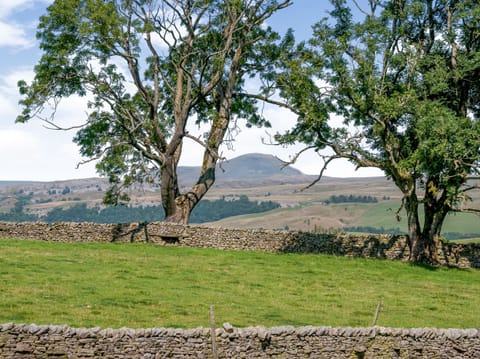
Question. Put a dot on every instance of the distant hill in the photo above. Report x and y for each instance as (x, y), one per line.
(14, 183)
(243, 171)
(249, 170)
(257, 165)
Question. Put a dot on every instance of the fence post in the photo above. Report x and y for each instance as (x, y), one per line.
(377, 313)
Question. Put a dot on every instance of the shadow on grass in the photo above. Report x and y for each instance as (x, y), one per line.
(429, 267)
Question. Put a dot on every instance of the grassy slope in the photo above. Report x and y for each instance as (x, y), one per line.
(138, 285)
(383, 214)
(336, 216)
(307, 211)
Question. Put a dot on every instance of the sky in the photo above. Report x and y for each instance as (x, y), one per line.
(32, 152)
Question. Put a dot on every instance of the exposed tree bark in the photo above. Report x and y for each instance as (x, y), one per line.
(222, 100)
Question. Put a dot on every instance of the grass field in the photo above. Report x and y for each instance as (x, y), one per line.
(383, 214)
(141, 285)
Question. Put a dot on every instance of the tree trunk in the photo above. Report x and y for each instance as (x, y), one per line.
(425, 242)
(413, 223)
(183, 204)
(176, 210)
(435, 213)
(425, 249)
(180, 208)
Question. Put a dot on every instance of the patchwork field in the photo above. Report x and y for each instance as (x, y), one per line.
(315, 215)
(141, 285)
(302, 209)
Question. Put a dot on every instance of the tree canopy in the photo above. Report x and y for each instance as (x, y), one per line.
(150, 68)
(388, 84)
(404, 78)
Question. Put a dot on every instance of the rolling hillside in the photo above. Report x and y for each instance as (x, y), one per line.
(261, 178)
(247, 171)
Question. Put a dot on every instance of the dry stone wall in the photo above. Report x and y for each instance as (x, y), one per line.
(369, 246)
(31, 341)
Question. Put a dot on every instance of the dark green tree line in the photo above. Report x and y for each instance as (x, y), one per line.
(206, 211)
(351, 199)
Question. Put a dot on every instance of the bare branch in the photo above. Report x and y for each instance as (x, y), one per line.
(295, 157)
(360, 9)
(269, 100)
(326, 162)
(55, 127)
(212, 152)
(466, 210)
(471, 188)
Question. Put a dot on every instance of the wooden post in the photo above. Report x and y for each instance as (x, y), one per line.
(377, 313)
(212, 331)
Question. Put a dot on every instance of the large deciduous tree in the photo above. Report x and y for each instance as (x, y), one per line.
(405, 77)
(151, 67)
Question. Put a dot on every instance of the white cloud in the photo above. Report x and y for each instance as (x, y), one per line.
(9, 95)
(10, 6)
(20, 152)
(31, 152)
(16, 74)
(13, 140)
(13, 35)
(7, 108)
(16, 31)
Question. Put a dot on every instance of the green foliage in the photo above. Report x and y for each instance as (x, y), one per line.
(150, 68)
(403, 78)
(144, 286)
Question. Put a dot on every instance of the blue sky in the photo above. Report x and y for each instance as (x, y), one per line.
(32, 152)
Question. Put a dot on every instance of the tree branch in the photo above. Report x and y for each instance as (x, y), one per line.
(212, 152)
(326, 162)
(466, 210)
(55, 127)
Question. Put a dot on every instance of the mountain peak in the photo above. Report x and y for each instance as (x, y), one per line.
(256, 165)
(253, 169)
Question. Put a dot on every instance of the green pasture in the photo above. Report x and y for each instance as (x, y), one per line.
(144, 285)
(383, 215)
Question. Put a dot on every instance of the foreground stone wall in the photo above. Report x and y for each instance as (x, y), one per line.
(31, 341)
(368, 246)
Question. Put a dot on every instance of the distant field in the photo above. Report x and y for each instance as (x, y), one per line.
(141, 285)
(383, 215)
(302, 209)
(315, 216)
